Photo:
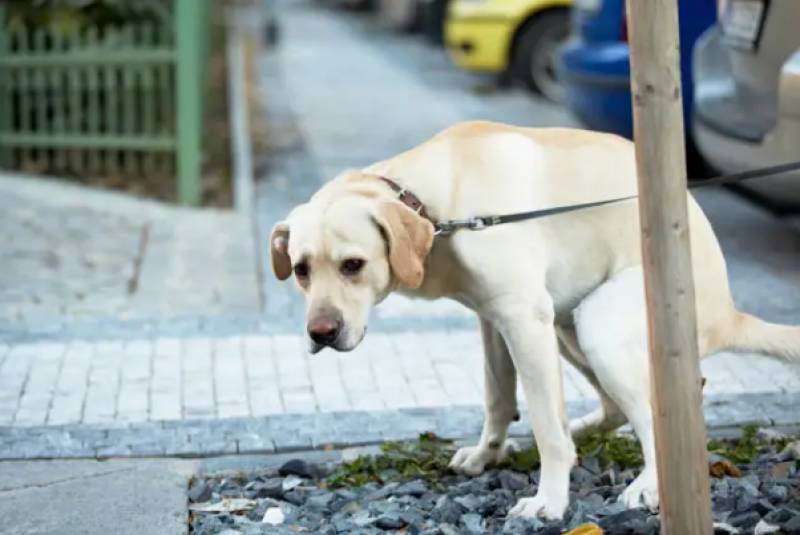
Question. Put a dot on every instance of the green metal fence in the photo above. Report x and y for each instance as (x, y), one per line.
(119, 100)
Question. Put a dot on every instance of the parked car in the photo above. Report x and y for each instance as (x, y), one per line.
(595, 67)
(357, 5)
(434, 13)
(401, 15)
(519, 37)
(747, 94)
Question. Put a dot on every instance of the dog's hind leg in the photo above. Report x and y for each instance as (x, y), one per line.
(500, 396)
(607, 416)
(612, 332)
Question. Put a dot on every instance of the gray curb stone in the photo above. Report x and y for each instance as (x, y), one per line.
(303, 432)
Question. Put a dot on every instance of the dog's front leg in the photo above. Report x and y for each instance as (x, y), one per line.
(500, 397)
(527, 328)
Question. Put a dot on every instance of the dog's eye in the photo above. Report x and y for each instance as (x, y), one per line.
(301, 270)
(352, 266)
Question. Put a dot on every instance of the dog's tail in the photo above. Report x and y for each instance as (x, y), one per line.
(753, 334)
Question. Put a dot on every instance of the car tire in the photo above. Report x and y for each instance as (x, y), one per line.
(534, 54)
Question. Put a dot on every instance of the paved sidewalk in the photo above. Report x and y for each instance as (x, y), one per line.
(80, 261)
(175, 358)
(168, 395)
(125, 497)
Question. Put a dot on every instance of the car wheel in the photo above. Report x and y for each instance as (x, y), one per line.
(535, 54)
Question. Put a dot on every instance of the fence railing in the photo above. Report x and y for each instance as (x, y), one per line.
(117, 100)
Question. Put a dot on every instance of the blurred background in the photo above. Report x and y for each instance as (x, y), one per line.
(147, 147)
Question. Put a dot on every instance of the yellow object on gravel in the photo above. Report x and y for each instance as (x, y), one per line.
(586, 529)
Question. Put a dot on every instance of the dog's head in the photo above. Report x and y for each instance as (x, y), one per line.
(348, 248)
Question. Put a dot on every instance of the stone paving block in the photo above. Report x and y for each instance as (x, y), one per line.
(329, 391)
(255, 443)
(230, 372)
(99, 416)
(70, 389)
(176, 444)
(106, 352)
(232, 410)
(165, 383)
(200, 412)
(459, 422)
(197, 355)
(265, 399)
(165, 407)
(217, 446)
(8, 410)
(101, 396)
(167, 348)
(745, 409)
(456, 383)
(300, 399)
(259, 359)
(368, 400)
(285, 431)
(132, 416)
(13, 376)
(133, 398)
(198, 396)
(32, 411)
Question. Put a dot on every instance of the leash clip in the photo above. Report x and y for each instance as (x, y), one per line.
(445, 228)
(480, 223)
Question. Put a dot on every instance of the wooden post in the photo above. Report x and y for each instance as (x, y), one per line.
(669, 285)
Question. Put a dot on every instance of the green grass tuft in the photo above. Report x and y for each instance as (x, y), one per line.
(427, 458)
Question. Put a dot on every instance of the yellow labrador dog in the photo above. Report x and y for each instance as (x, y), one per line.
(569, 284)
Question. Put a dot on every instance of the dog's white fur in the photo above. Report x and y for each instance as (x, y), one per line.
(569, 284)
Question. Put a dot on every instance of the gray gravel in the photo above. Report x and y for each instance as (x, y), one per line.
(765, 499)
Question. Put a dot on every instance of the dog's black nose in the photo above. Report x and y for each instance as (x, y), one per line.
(324, 331)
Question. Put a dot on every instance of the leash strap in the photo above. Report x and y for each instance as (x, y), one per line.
(447, 227)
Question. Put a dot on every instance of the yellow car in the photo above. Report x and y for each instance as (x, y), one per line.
(518, 37)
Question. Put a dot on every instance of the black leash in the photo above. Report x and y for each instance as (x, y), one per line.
(445, 228)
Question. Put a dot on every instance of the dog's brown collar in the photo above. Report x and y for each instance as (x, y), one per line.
(408, 198)
(441, 228)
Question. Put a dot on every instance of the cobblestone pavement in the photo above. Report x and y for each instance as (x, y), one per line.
(76, 259)
(260, 393)
(241, 382)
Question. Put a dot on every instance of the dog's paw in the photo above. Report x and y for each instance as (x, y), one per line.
(642, 492)
(540, 506)
(473, 460)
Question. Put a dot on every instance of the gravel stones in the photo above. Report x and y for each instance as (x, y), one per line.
(513, 481)
(473, 523)
(390, 521)
(271, 488)
(766, 499)
(446, 510)
(413, 488)
(522, 526)
(296, 467)
(199, 491)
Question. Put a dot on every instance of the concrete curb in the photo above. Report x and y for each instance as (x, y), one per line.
(304, 432)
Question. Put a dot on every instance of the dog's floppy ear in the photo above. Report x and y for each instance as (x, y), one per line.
(279, 251)
(410, 239)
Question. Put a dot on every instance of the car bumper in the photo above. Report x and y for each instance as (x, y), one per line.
(596, 83)
(479, 43)
(731, 154)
